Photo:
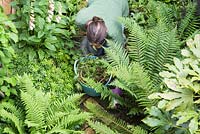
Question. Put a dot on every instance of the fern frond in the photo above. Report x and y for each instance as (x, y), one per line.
(63, 131)
(36, 103)
(138, 130)
(12, 109)
(162, 47)
(137, 38)
(107, 118)
(117, 56)
(100, 128)
(135, 81)
(18, 124)
(190, 23)
(34, 111)
(161, 12)
(26, 83)
(58, 112)
(9, 130)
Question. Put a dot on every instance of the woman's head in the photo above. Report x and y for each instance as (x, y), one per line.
(96, 30)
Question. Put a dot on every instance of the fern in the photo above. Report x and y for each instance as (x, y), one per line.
(190, 23)
(131, 76)
(9, 130)
(101, 128)
(138, 38)
(43, 112)
(138, 130)
(152, 48)
(107, 118)
(15, 120)
(162, 47)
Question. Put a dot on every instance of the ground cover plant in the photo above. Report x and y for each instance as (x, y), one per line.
(156, 73)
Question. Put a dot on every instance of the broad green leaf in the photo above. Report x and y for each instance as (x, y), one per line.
(10, 50)
(152, 122)
(50, 46)
(154, 96)
(31, 54)
(41, 24)
(40, 34)
(2, 54)
(13, 36)
(11, 80)
(34, 39)
(51, 39)
(41, 54)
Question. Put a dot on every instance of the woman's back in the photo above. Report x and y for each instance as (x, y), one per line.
(109, 11)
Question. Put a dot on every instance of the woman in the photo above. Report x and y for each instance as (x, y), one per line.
(100, 20)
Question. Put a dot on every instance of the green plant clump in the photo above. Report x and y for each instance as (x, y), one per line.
(181, 99)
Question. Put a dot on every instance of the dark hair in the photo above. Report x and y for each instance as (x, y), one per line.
(96, 30)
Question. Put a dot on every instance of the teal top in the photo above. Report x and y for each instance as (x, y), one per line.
(109, 11)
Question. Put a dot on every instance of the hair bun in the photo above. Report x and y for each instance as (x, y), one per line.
(96, 19)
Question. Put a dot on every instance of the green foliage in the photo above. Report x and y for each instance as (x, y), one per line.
(8, 34)
(182, 96)
(46, 26)
(152, 47)
(100, 128)
(189, 24)
(130, 75)
(43, 113)
(49, 75)
(109, 123)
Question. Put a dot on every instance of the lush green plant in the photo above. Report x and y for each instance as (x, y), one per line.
(182, 15)
(46, 26)
(41, 112)
(8, 34)
(129, 75)
(49, 75)
(181, 99)
(106, 123)
(154, 45)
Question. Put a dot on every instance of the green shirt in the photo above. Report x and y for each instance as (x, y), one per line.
(109, 11)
